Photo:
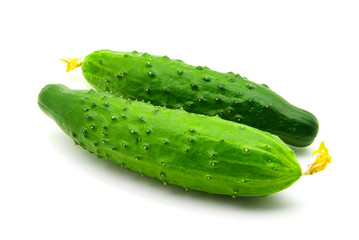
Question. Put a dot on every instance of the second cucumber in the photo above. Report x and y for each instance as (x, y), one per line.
(175, 84)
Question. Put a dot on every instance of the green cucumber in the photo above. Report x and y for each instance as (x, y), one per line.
(174, 84)
(193, 151)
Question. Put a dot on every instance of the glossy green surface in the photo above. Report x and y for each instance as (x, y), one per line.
(174, 84)
(190, 150)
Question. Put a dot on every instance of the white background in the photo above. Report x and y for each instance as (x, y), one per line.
(307, 51)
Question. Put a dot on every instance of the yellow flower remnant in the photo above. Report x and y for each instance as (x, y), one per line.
(72, 63)
(321, 162)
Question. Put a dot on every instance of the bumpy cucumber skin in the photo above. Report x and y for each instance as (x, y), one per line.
(174, 84)
(190, 150)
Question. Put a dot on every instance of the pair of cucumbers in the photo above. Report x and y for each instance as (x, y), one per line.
(184, 125)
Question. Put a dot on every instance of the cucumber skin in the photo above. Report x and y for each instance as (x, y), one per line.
(193, 151)
(174, 84)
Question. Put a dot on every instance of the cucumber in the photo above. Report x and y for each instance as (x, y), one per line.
(193, 151)
(174, 84)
